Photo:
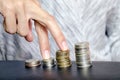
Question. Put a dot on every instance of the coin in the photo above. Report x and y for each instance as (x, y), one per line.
(82, 51)
(64, 66)
(82, 59)
(63, 59)
(64, 63)
(81, 45)
(82, 54)
(62, 53)
(48, 63)
(50, 60)
(83, 64)
(32, 63)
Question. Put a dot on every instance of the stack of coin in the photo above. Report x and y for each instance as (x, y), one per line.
(48, 63)
(63, 60)
(82, 55)
(32, 63)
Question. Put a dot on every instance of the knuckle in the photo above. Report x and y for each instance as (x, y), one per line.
(23, 28)
(7, 11)
(50, 19)
(11, 31)
(19, 3)
(23, 33)
(9, 8)
(6, 7)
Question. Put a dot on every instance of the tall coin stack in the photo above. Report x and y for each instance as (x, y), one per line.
(63, 60)
(82, 55)
(48, 63)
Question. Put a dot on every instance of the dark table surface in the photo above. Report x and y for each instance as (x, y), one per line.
(15, 70)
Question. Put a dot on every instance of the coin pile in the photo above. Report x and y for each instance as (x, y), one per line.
(82, 54)
(48, 63)
(32, 63)
(63, 60)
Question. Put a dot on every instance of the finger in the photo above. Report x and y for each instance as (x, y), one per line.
(29, 37)
(45, 19)
(43, 40)
(22, 27)
(37, 3)
(10, 25)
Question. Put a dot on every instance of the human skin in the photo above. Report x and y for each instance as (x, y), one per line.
(17, 19)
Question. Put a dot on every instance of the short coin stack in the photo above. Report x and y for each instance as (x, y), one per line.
(82, 55)
(48, 63)
(63, 60)
(32, 63)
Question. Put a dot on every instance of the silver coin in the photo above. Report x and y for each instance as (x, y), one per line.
(83, 55)
(83, 63)
(32, 62)
(82, 58)
(82, 51)
(82, 45)
(48, 63)
(50, 66)
(50, 60)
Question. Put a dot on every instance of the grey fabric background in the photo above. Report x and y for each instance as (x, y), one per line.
(95, 21)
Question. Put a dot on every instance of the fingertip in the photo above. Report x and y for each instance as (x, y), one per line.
(64, 45)
(46, 54)
(29, 37)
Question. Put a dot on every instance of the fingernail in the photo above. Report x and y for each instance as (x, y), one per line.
(46, 54)
(64, 45)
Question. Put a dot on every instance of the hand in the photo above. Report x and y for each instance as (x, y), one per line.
(17, 15)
